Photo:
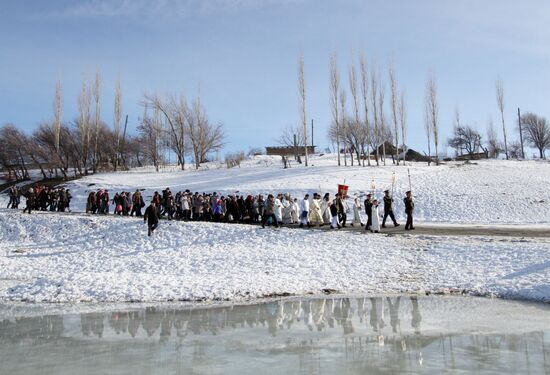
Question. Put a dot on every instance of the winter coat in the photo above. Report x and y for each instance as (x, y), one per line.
(151, 215)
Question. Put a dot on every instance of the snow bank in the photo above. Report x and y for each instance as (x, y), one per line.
(59, 258)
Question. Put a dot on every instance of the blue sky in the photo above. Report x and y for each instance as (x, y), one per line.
(243, 55)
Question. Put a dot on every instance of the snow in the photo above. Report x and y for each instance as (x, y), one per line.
(71, 258)
(489, 191)
(53, 257)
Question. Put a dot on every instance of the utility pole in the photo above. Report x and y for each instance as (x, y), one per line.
(295, 148)
(520, 134)
(312, 134)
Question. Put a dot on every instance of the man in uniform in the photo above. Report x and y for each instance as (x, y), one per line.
(388, 209)
(409, 208)
(342, 206)
(368, 211)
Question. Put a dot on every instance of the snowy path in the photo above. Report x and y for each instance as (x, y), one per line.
(421, 228)
(71, 258)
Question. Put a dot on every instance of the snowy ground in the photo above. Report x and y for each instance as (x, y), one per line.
(61, 258)
(55, 258)
(493, 191)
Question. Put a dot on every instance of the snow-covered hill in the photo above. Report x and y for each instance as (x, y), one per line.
(493, 191)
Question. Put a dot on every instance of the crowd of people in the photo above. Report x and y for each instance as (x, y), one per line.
(41, 198)
(274, 210)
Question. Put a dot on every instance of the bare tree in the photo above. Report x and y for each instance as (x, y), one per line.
(291, 136)
(58, 112)
(84, 124)
(356, 131)
(382, 128)
(12, 151)
(117, 119)
(500, 102)
(374, 101)
(465, 138)
(536, 130)
(150, 131)
(205, 137)
(343, 124)
(494, 148)
(365, 94)
(97, 102)
(432, 113)
(394, 108)
(176, 112)
(302, 92)
(334, 92)
(403, 123)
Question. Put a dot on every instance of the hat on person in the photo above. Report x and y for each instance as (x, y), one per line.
(408, 192)
(386, 191)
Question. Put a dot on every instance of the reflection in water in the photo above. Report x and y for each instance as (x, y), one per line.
(325, 335)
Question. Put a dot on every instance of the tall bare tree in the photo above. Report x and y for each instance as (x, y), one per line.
(365, 94)
(84, 124)
(432, 112)
(394, 108)
(117, 119)
(334, 92)
(356, 129)
(382, 128)
(343, 122)
(500, 102)
(494, 147)
(302, 92)
(97, 102)
(375, 137)
(403, 123)
(58, 112)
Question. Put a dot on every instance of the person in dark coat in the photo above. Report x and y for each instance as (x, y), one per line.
(269, 211)
(30, 200)
(151, 216)
(368, 211)
(409, 208)
(388, 209)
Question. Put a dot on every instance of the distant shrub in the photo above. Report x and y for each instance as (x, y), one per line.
(233, 160)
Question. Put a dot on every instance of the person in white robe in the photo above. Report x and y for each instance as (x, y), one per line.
(357, 207)
(315, 217)
(375, 226)
(278, 209)
(304, 211)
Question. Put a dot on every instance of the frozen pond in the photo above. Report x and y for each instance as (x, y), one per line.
(337, 335)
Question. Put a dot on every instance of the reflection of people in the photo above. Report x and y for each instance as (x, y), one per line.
(416, 317)
(377, 314)
(394, 313)
(347, 313)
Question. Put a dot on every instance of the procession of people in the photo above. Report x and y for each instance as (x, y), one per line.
(313, 210)
(40, 198)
